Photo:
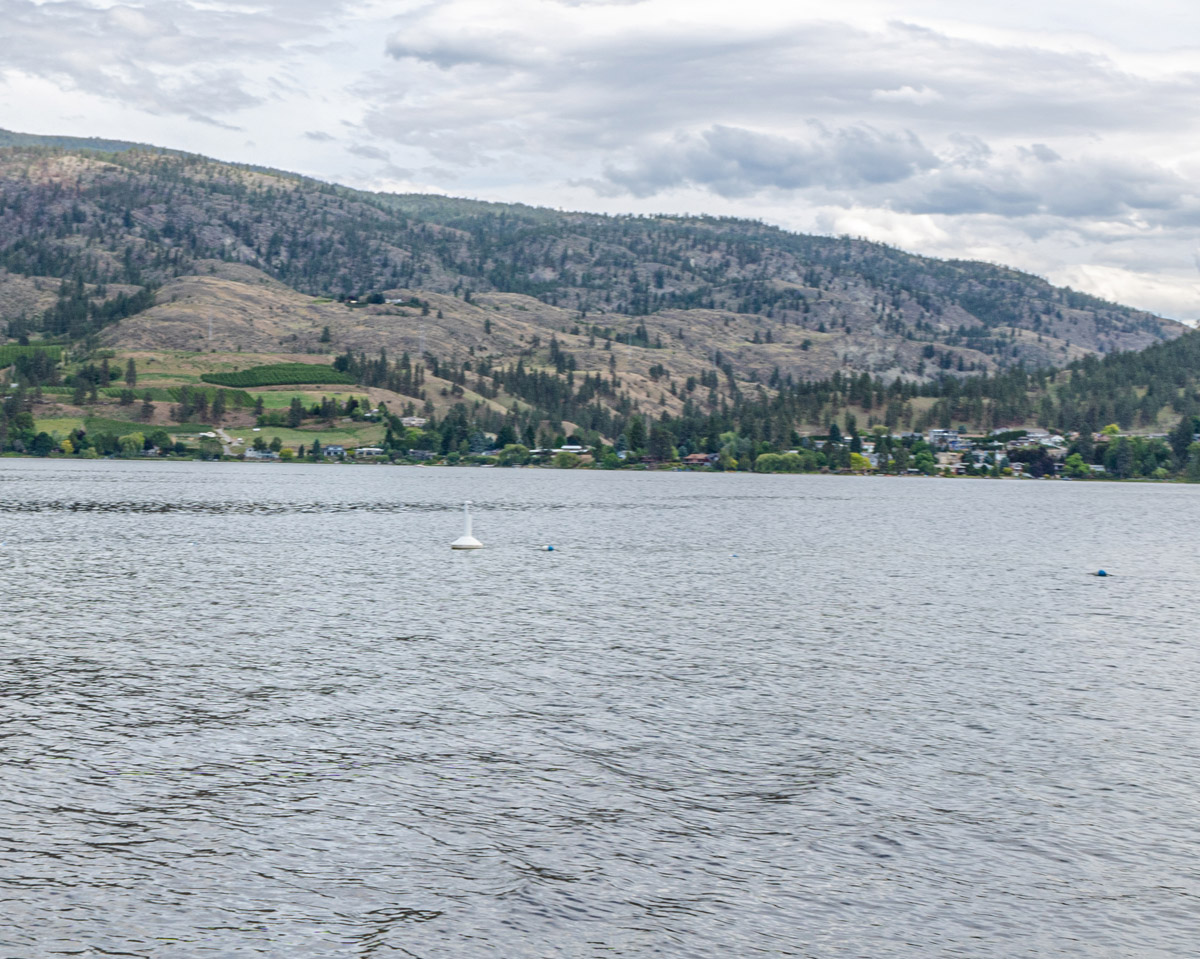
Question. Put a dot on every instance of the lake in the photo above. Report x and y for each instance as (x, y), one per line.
(264, 710)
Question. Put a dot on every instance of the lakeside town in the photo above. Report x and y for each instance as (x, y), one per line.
(1034, 453)
(272, 413)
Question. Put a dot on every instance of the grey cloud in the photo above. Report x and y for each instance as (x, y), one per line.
(966, 150)
(956, 194)
(648, 81)
(861, 165)
(1085, 188)
(737, 162)
(319, 136)
(170, 57)
(397, 172)
(454, 51)
(1044, 153)
(368, 152)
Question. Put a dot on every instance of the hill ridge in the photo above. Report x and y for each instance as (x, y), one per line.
(82, 226)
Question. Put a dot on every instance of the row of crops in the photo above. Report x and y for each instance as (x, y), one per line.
(174, 394)
(167, 394)
(281, 374)
(11, 352)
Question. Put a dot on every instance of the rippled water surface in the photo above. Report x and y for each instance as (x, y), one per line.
(265, 711)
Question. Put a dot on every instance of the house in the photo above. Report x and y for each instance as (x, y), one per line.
(368, 451)
(414, 421)
(953, 461)
(253, 454)
(943, 438)
(333, 450)
(700, 459)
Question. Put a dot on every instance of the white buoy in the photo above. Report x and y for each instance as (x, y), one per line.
(467, 541)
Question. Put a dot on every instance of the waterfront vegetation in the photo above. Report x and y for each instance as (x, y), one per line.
(1123, 416)
(942, 427)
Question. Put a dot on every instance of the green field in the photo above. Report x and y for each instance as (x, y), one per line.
(10, 351)
(369, 434)
(61, 425)
(175, 377)
(102, 424)
(280, 374)
(166, 394)
(280, 400)
(233, 398)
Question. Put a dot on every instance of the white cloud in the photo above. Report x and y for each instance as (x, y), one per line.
(907, 94)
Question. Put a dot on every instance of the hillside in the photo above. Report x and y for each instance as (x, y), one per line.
(497, 321)
(766, 299)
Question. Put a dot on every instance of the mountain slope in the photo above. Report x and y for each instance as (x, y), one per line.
(111, 223)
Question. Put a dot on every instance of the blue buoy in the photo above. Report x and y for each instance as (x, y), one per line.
(549, 549)
(1101, 572)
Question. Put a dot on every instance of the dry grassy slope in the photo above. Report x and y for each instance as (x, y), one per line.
(845, 303)
(26, 295)
(229, 308)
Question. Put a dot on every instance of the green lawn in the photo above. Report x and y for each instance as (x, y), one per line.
(102, 424)
(61, 425)
(344, 434)
(366, 434)
(273, 400)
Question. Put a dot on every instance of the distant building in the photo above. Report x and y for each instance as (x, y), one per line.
(368, 451)
(952, 462)
(946, 439)
(334, 450)
(414, 421)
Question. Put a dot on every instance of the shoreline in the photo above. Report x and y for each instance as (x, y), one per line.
(60, 458)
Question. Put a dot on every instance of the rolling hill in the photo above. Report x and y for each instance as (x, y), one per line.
(536, 318)
(111, 217)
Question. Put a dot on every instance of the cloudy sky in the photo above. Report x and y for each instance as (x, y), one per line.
(1057, 137)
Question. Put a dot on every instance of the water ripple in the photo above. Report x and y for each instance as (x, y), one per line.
(896, 723)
